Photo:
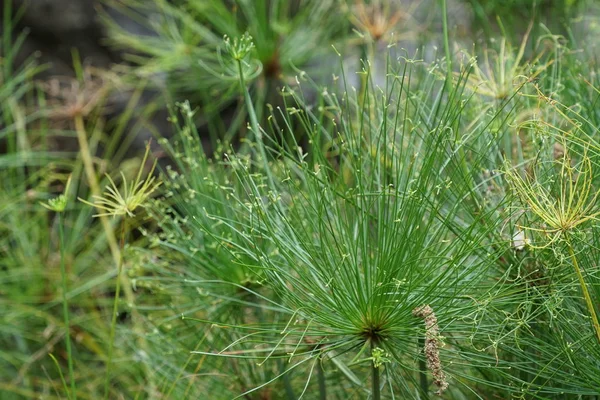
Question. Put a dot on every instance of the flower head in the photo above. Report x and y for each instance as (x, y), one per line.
(432, 346)
(238, 48)
(133, 195)
(378, 20)
(379, 357)
(498, 74)
(559, 213)
(71, 97)
(59, 203)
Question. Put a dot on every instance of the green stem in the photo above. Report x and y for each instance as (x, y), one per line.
(375, 383)
(88, 165)
(586, 294)
(62, 377)
(423, 371)
(113, 322)
(63, 272)
(287, 385)
(254, 124)
(446, 41)
(321, 380)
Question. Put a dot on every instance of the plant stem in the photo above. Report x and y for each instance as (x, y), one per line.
(423, 371)
(254, 124)
(375, 384)
(113, 321)
(88, 164)
(287, 385)
(321, 380)
(62, 378)
(586, 294)
(63, 272)
(446, 41)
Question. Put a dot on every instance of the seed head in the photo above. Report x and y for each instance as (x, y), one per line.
(133, 195)
(59, 204)
(432, 346)
(560, 214)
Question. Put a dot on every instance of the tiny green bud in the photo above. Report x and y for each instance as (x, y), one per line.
(59, 204)
(379, 357)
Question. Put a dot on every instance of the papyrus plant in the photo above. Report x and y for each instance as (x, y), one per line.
(351, 235)
(562, 213)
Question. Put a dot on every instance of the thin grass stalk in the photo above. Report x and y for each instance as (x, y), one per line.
(254, 123)
(63, 272)
(113, 321)
(90, 173)
(446, 41)
(62, 377)
(586, 294)
(183, 369)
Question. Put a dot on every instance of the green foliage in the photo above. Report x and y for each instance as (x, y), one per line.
(50, 258)
(347, 237)
(408, 229)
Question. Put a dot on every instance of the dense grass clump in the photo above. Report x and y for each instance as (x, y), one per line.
(393, 225)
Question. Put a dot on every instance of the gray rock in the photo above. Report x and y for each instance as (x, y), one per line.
(58, 16)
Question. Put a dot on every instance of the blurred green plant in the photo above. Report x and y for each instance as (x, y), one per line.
(59, 205)
(512, 15)
(52, 257)
(123, 203)
(187, 35)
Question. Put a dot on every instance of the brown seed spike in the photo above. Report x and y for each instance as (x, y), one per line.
(432, 350)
